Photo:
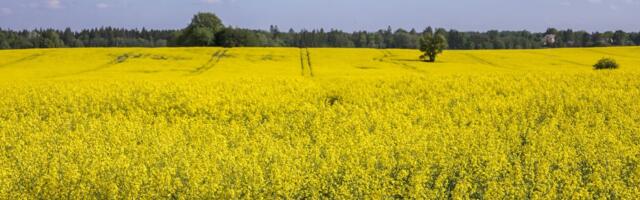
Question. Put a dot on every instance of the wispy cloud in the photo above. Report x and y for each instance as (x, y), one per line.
(54, 4)
(211, 1)
(6, 11)
(102, 5)
(217, 1)
(613, 1)
(614, 4)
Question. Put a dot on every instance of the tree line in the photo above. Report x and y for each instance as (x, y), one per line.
(206, 29)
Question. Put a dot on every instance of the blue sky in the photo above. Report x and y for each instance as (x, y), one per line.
(349, 15)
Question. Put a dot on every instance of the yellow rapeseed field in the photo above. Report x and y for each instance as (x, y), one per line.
(267, 123)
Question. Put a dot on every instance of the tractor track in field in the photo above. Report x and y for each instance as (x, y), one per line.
(556, 58)
(309, 62)
(213, 61)
(120, 59)
(24, 59)
(486, 62)
(594, 50)
(305, 55)
(301, 62)
(387, 58)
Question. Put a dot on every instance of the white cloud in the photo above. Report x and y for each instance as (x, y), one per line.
(102, 5)
(614, 1)
(211, 1)
(30, 5)
(217, 1)
(614, 4)
(6, 11)
(54, 4)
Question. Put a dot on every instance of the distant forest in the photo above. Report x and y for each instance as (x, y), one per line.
(213, 33)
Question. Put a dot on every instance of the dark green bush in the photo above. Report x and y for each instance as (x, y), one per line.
(606, 63)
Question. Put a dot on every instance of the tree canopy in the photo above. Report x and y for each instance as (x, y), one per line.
(206, 29)
(202, 30)
(432, 44)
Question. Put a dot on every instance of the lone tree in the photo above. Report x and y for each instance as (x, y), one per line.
(431, 45)
(202, 31)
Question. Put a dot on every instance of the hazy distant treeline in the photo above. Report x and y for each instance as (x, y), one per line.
(239, 37)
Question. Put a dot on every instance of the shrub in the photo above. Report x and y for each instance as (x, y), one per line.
(606, 63)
